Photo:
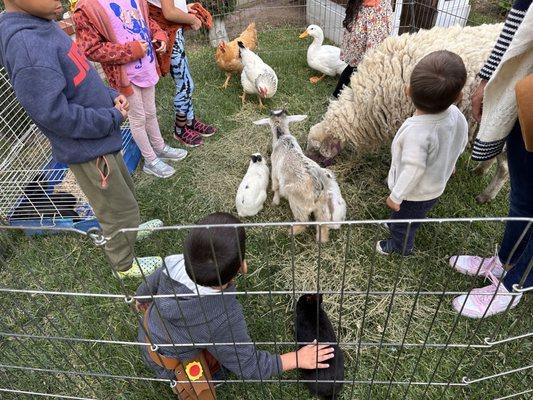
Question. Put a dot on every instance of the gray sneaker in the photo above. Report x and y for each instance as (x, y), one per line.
(172, 154)
(159, 168)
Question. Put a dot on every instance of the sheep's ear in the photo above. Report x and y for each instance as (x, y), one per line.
(264, 121)
(296, 118)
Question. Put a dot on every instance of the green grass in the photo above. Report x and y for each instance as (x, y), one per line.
(206, 182)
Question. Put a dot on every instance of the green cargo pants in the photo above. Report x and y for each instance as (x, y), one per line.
(109, 188)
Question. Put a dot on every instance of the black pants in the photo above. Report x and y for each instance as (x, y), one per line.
(398, 231)
(344, 80)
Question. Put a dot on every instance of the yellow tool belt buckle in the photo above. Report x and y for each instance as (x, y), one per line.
(194, 370)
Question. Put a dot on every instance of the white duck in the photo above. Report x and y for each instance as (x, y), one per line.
(323, 58)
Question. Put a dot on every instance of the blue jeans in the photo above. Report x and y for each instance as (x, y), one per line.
(398, 232)
(516, 247)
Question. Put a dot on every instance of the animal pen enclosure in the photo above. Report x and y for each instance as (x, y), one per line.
(392, 318)
(69, 329)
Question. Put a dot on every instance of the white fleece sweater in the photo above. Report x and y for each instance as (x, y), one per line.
(424, 152)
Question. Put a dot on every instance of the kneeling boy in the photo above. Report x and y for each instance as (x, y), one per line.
(203, 309)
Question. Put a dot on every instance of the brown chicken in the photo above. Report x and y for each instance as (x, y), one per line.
(227, 54)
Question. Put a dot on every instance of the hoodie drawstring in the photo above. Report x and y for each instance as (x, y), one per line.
(103, 177)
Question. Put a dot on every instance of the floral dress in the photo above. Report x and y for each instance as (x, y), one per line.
(372, 26)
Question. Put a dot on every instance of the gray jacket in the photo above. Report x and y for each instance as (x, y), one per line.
(201, 319)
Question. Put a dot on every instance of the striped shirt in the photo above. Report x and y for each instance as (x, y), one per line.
(512, 22)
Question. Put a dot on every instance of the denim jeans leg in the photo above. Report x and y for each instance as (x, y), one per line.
(403, 234)
(521, 272)
(517, 234)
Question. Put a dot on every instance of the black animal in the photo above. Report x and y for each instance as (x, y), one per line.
(309, 316)
(38, 202)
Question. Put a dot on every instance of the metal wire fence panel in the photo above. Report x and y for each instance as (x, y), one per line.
(70, 329)
(294, 15)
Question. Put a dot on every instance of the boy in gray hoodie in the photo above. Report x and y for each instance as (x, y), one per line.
(202, 311)
(81, 117)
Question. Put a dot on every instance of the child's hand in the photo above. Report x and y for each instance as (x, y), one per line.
(307, 357)
(195, 24)
(144, 46)
(141, 307)
(191, 9)
(477, 100)
(123, 102)
(392, 205)
(160, 46)
(122, 111)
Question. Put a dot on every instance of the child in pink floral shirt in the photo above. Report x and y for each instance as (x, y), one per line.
(120, 35)
(366, 25)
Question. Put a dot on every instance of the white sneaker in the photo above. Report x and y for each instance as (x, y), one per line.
(478, 266)
(159, 168)
(486, 301)
(172, 154)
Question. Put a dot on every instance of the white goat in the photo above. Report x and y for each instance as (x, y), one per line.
(252, 194)
(309, 188)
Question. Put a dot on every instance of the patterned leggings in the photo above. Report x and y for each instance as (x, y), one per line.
(179, 69)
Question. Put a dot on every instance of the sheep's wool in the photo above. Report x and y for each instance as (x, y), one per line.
(369, 113)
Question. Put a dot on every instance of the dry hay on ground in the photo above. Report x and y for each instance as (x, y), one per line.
(271, 248)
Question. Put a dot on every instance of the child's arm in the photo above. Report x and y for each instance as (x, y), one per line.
(149, 286)
(174, 14)
(40, 90)
(414, 159)
(96, 48)
(248, 362)
(158, 34)
(307, 358)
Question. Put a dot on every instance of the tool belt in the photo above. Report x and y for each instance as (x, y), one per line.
(194, 379)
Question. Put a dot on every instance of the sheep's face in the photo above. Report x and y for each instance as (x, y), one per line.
(321, 143)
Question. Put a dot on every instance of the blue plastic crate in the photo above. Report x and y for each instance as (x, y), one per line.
(56, 174)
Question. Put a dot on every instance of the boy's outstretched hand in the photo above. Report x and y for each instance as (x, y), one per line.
(306, 357)
(392, 205)
(123, 105)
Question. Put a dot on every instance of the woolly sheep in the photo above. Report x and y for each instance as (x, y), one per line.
(370, 111)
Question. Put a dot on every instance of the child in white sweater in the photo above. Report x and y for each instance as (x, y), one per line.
(426, 147)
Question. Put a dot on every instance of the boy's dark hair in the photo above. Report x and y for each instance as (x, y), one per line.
(437, 80)
(213, 256)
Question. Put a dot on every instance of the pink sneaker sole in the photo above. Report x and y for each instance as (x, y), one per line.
(187, 144)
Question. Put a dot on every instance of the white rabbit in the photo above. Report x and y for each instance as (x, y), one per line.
(252, 191)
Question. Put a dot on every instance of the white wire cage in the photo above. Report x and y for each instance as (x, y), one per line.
(36, 190)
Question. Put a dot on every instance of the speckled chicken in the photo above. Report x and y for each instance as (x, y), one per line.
(227, 54)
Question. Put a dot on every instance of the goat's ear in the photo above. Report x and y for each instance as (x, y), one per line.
(296, 118)
(264, 121)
